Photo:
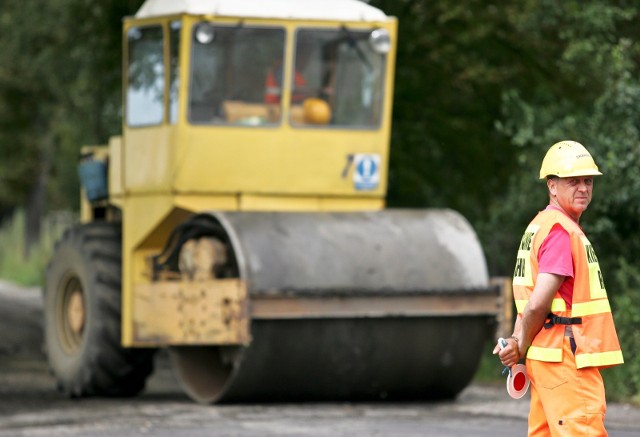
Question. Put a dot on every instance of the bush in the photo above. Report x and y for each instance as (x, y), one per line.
(14, 265)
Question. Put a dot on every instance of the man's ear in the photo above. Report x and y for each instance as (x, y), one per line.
(552, 186)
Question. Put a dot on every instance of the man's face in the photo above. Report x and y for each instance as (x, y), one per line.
(573, 194)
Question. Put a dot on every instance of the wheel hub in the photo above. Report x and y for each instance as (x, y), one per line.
(71, 315)
(75, 312)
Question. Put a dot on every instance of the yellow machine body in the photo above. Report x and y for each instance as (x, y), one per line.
(161, 174)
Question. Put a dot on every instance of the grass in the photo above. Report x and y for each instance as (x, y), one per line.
(29, 270)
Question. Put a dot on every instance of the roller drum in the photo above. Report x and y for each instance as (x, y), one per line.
(394, 250)
(346, 357)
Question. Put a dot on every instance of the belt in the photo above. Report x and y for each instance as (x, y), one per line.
(557, 320)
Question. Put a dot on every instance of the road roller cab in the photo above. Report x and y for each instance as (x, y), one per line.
(239, 220)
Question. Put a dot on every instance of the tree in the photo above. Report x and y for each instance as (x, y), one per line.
(590, 95)
(452, 62)
(59, 89)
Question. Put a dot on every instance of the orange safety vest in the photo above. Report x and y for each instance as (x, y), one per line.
(273, 86)
(593, 329)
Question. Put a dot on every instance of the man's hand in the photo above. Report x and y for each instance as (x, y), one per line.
(509, 356)
(530, 323)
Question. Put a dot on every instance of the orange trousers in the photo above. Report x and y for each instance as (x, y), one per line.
(566, 401)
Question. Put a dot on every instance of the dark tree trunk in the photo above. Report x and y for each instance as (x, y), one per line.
(37, 198)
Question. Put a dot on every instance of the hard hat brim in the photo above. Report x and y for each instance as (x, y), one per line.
(583, 172)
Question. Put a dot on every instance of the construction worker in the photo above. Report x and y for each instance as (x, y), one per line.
(300, 88)
(564, 325)
(273, 85)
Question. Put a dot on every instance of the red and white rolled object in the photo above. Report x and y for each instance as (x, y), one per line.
(517, 380)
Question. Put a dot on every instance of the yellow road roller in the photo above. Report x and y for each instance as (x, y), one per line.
(240, 221)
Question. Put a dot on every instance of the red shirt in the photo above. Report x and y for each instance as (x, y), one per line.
(555, 257)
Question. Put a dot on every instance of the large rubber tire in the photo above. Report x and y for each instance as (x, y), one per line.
(82, 312)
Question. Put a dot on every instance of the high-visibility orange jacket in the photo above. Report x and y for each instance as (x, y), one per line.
(595, 335)
(273, 86)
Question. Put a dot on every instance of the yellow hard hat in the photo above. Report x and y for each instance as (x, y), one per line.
(316, 111)
(566, 159)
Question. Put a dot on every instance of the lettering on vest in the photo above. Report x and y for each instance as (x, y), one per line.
(522, 272)
(525, 243)
(520, 268)
(596, 281)
(601, 279)
(591, 254)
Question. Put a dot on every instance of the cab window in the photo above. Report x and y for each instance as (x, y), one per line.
(145, 76)
(338, 79)
(236, 75)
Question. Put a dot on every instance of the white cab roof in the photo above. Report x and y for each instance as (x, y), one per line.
(341, 10)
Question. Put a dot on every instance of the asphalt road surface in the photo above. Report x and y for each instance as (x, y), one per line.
(30, 405)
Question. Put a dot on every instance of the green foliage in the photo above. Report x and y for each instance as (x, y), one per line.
(29, 272)
(60, 82)
(452, 61)
(623, 382)
(590, 95)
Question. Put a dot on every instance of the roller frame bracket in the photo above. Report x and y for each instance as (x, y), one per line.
(191, 313)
